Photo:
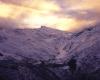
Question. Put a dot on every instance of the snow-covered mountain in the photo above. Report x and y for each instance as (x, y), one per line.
(38, 44)
(49, 54)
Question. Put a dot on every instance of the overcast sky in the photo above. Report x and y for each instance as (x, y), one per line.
(60, 14)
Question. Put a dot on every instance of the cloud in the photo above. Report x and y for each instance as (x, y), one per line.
(18, 2)
(8, 23)
(59, 14)
(83, 14)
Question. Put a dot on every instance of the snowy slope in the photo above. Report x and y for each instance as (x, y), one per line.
(38, 44)
(49, 54)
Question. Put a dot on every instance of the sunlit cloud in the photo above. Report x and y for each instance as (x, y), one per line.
(68, 15)
(5, 10)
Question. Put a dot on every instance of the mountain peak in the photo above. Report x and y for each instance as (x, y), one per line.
(46, 53)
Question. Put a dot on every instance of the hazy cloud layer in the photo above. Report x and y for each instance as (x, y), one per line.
(8, 23)
(59, 14)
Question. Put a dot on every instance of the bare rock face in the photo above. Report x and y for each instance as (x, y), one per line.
(48, 54)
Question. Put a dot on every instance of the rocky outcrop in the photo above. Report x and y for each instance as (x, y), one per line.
(48, 54)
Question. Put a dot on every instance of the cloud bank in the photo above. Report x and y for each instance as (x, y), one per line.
(65, 15)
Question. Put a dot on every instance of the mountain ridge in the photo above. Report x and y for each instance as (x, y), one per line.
(45, 54)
